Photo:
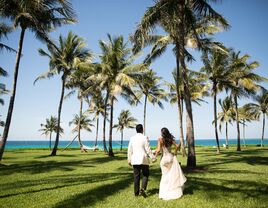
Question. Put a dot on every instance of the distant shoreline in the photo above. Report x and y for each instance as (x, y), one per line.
(44, 144)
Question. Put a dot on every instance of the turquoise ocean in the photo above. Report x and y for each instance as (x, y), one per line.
(116, 144)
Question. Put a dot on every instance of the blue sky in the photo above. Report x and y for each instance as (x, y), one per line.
(96, 18)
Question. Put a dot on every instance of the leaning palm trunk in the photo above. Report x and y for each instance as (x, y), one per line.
(70, 143)
(54, 151)
(104, 123)
(180, 114)
(215, 119)
(110, 153)
(12, 98)
(263, 127)
(226, 132)
(122, 135)
(237, 124)
(97, 132)
(144, 114)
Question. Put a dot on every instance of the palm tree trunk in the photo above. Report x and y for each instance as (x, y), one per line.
(79, 123)
(111, 154)
(121, 140)
(104, 123)
(12, 97)
(244, 133)
(263, 127)
(191, 159)
(180, 113)
(50, 140)
(144, 114)
(215, 118)
(97, 131)
(227, 139)
(237, 124)
(54, 151)
(184, 140)
(70, 143)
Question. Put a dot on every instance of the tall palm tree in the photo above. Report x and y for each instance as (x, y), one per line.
(78, 81)
(216, 71)
(49, 127)
(97, 106)
(149, 86)
(64, 59)
(227, 115)
(119, 75)
(179, 19)
(258, 108)
(244, 116)
(125, 121)
(244, 82)
(81, 123)
(198, 90)
(39, 17)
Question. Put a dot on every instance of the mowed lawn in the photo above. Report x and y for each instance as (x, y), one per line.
(30, 178)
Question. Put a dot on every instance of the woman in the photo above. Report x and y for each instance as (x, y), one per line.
(172, 180)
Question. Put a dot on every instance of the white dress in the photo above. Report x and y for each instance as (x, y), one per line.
(172, 180)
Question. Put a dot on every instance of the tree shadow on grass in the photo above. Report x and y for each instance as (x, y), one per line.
(93, 196)
(48, 156)
(57, 182)
(213, 186)
(34, 167)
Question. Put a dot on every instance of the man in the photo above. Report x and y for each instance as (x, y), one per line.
(138, 152)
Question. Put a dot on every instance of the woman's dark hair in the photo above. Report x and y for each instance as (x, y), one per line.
(168, 138)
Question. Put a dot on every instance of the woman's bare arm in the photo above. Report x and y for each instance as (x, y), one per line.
(159, 145)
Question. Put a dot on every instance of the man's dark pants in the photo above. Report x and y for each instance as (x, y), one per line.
(138, 169)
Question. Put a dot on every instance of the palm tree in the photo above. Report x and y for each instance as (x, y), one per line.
(244, 82)
(256, 109)
(49, 127)
(3, 89)
(179, 19)
(4, 30)
(78, 80)
(39, 17)
(198, 90)
(125, 120)
(97, 106)
(64, 59)
(118, 75)
(150, 87)
(81, 123)
(216, 71)
(227, 115)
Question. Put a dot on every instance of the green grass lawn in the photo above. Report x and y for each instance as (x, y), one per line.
(30, 178)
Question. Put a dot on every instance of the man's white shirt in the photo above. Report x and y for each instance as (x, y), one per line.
(139, 150)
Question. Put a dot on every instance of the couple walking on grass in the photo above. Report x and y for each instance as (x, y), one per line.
(172, 179)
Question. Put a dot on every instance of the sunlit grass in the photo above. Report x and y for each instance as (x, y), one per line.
(30, 178)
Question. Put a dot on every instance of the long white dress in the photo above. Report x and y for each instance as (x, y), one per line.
(172, 180)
